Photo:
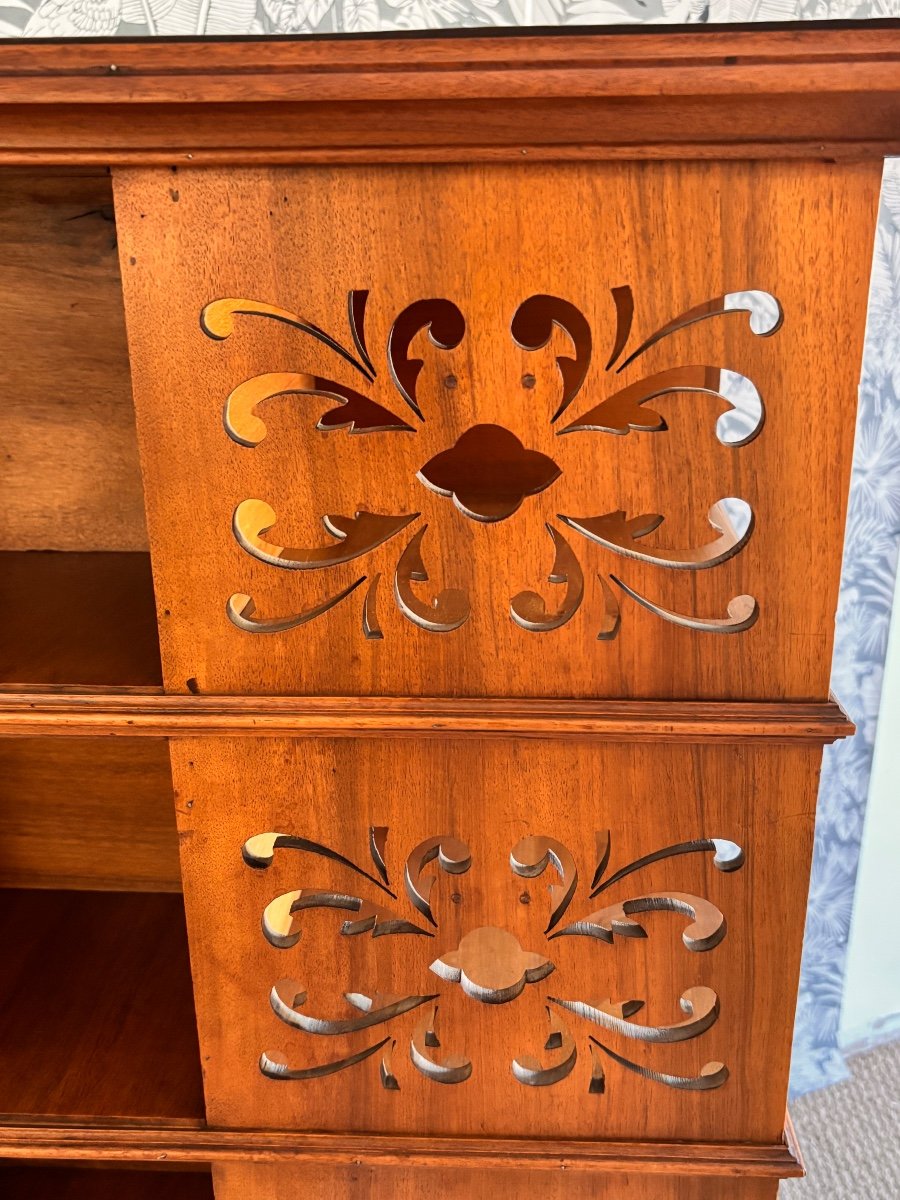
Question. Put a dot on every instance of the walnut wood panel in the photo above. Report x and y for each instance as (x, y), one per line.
(256, 1182)
(484, 240)
(70, 479)
(96, 1012)
(77, 619)
(491, 795)
(87, 813)
(812, 92)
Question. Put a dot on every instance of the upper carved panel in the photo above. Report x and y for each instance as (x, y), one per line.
(488, 472)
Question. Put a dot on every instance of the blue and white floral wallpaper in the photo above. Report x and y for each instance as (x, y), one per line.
(870, 561)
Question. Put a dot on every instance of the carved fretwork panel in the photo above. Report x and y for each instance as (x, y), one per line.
(537, 430)
(546, 939)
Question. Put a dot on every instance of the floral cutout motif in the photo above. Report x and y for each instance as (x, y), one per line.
(489, 963)
(488, 472)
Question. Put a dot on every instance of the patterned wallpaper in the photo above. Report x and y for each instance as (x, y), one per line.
(130, 18)
(874, 521)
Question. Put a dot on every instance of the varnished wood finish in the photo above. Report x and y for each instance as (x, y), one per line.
(806, 92)
(251, 1182)
(77, 618)
(70, 478)
(87, 813)
(34, 1182)
(443, 747)
(146, 1143)
(491, 794)
(136, 712)
(486, 239)
(96, 1015)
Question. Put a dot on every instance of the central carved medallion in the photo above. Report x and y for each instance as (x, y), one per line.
(491, 966)
(488, 473)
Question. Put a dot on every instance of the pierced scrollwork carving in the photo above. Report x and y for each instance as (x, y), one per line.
(620, 534)
(701, 1004)
(455, 1068)
(355, 536)
(532, 855)
(452, 856)
(707, 927)
(288, 998)
(560, 1043)
(529, 610)
(280, 927)
(487, 470)
(446, 612)
(490, 963)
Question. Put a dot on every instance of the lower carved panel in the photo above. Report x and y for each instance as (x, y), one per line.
(496, 938)
(260, 1182)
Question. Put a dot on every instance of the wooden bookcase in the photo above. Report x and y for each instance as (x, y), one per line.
(318, 866)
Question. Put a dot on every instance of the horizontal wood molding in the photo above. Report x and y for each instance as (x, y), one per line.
(827, 91)
(177, 1143)
(133, 713)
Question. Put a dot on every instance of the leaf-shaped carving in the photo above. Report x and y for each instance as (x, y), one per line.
(288, 997)
(627, 410)
(217, 322)
(529, 610)
(743, 612)
(532, 328)
(354, 412)
(712, 1074)
(274, 1066)
(446, 328)
(456, 1068)
(531, 856)
(259, 851)
(452, 855)
(701, 1004)
(764, 311)
(280, 927)
(706, 928)
(446, 612)
(529, 1070)
(618, 533)
(355, 535)
(241, 609)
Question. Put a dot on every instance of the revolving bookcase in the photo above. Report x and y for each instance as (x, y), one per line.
(427, 471)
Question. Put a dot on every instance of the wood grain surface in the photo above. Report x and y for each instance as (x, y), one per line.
(260, 1182)
(77, 618)
(486, 239)
(96, 1014)
(138, 712)
(491, 794)
(827, 93)
(70, 478)
(87, 813)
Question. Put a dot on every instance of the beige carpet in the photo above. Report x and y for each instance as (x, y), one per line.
(850, 1134)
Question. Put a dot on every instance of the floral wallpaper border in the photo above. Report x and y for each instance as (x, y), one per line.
(870, 560)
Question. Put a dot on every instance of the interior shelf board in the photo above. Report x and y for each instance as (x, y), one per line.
(78, 619)
(21, 1181)
(96, 1007)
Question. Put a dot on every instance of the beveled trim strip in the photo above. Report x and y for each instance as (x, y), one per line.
(800, 90)
(146, 1143)
(133, 713)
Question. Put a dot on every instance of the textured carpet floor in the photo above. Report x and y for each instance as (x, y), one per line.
(850, 1134)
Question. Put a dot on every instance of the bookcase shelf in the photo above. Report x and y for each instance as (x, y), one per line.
(30, 1181)
(78, 619)
(96, 1010)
